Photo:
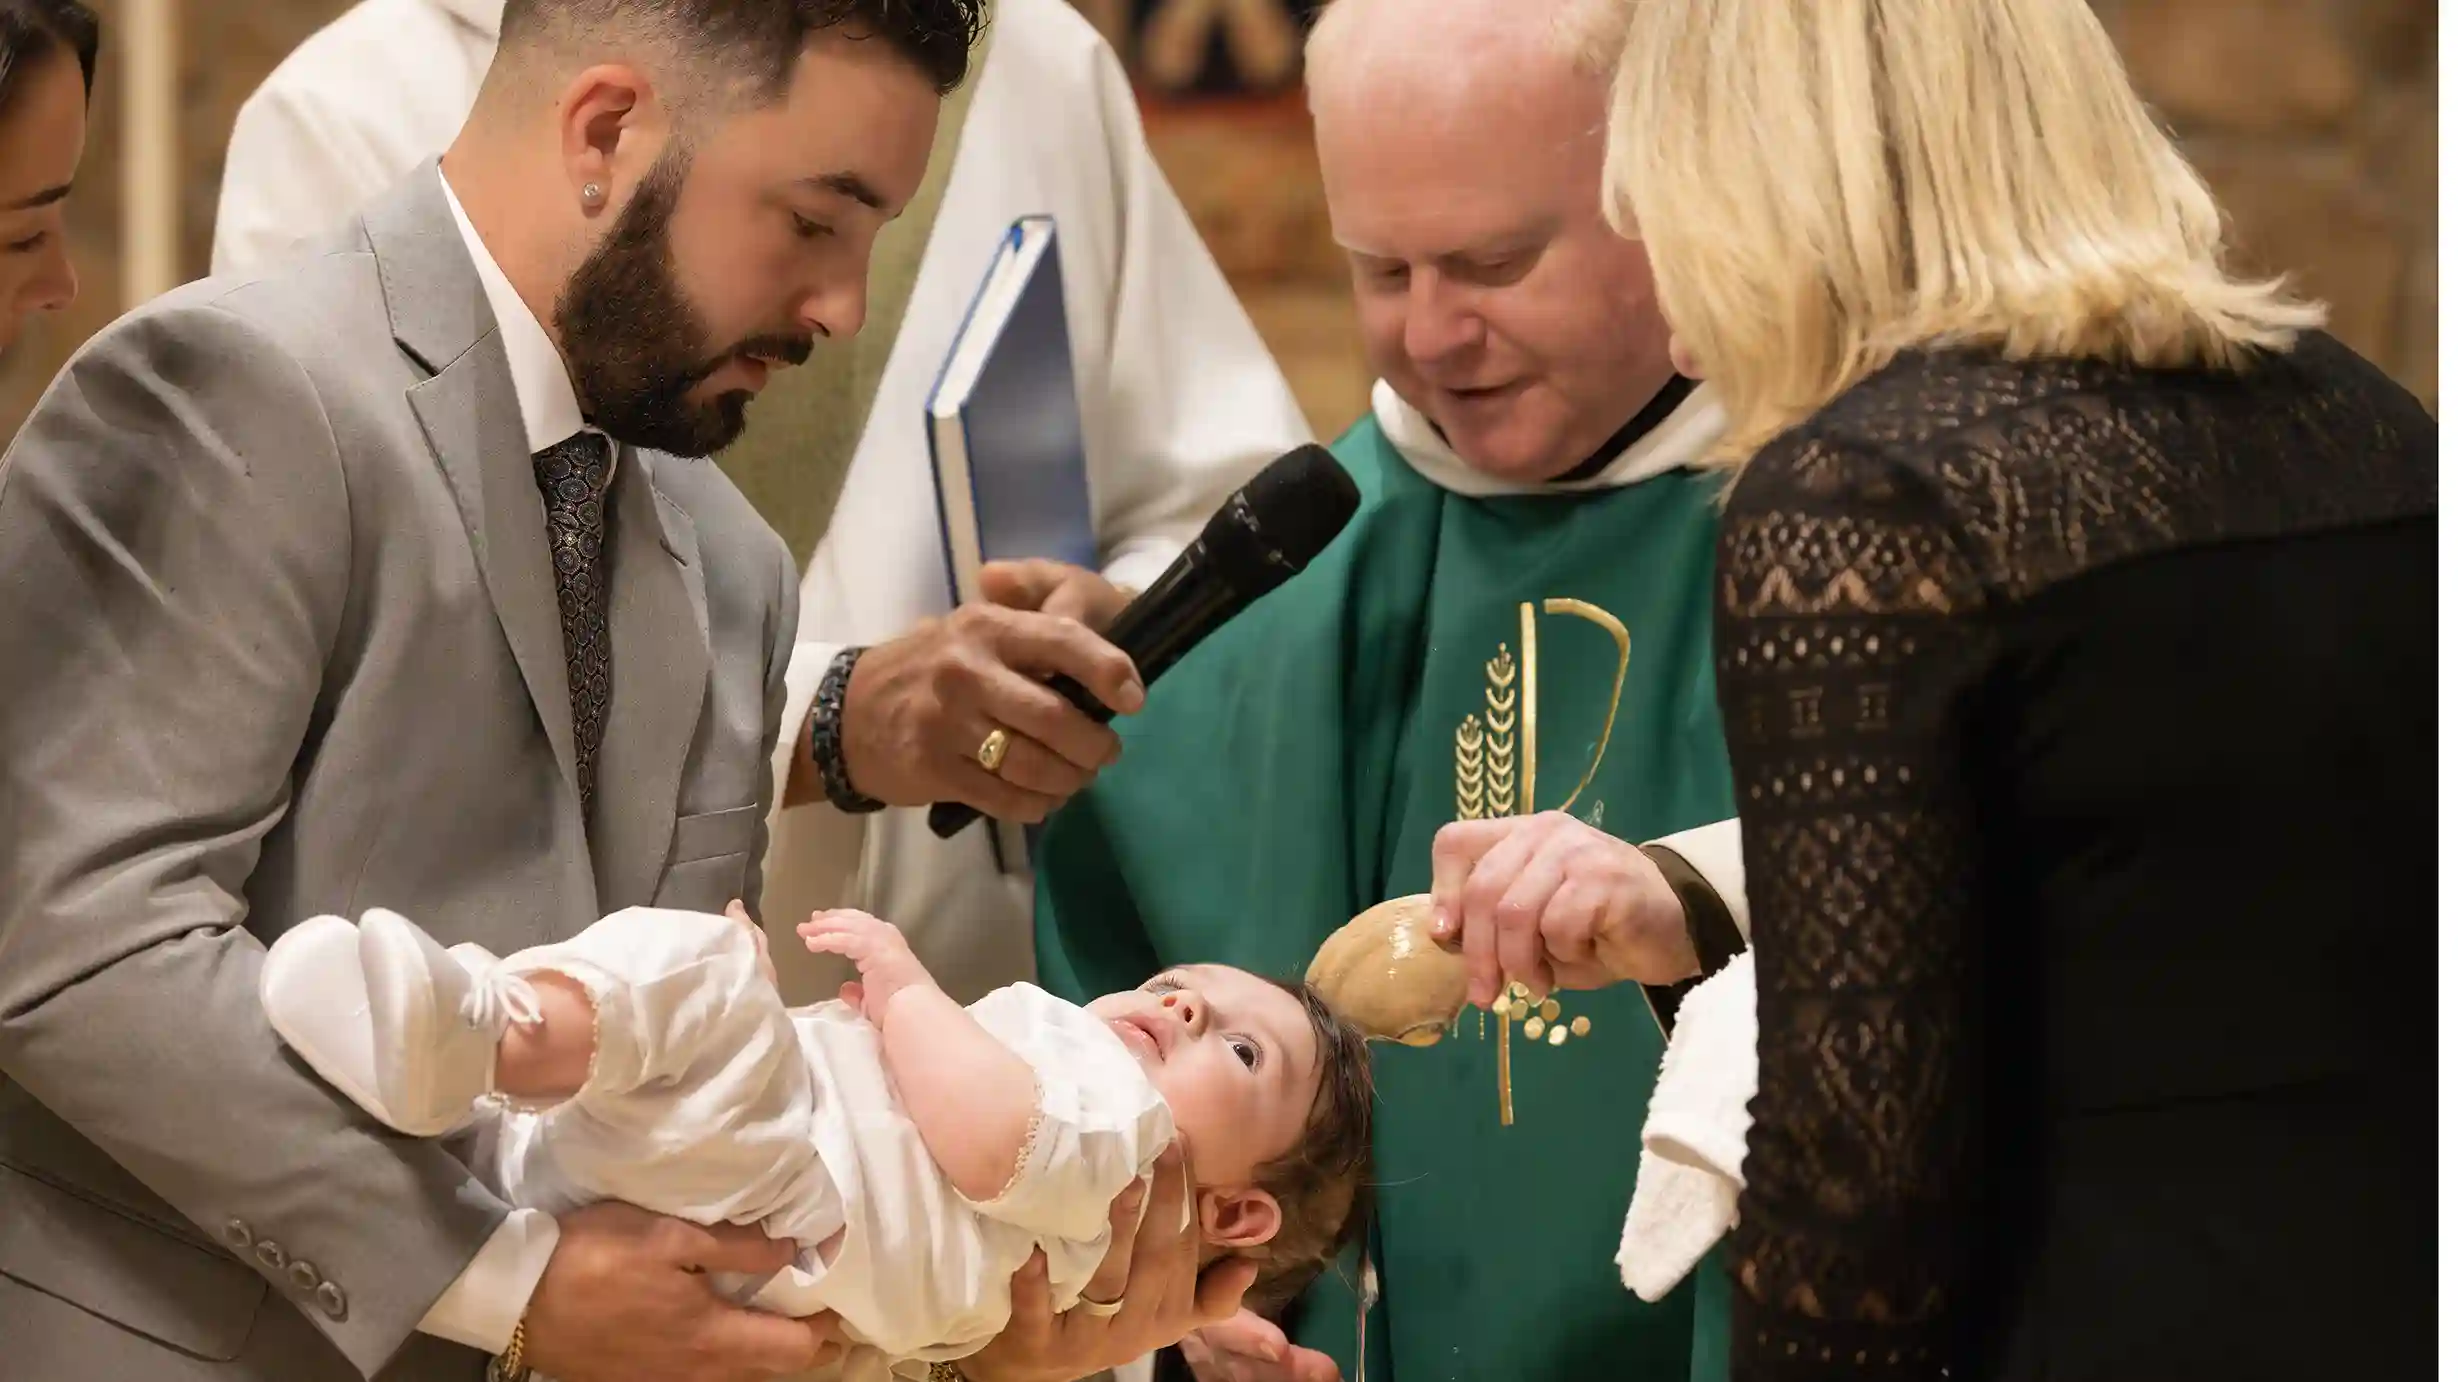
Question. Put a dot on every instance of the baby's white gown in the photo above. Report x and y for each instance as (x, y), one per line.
(712, 1102)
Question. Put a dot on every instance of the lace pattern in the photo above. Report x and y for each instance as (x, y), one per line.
(1866, 564)
(1026, 1149)
(1845, 635)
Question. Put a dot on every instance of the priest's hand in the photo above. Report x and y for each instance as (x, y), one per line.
(920, 710)
(1251, 1348)
(1553, 902)
(1154, 1272)
(1054, 587)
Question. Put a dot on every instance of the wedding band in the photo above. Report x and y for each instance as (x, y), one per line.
(1100, 1309)
(993, 751)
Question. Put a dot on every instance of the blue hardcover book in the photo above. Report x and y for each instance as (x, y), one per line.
(1006, 437)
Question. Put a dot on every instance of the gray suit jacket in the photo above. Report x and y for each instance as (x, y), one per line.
(278, 637)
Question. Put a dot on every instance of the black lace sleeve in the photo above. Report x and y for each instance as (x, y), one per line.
(1850, 642)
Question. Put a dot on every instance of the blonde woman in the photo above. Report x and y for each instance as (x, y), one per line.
(2076, 652)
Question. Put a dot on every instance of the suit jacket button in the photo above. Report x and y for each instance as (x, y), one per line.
(238, 1235)
(270, 1253)
(303, 1275)
(335, 1305)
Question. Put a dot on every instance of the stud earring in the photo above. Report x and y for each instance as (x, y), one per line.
(592, 195)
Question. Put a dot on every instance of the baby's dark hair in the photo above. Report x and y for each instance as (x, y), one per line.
(1324, 1183)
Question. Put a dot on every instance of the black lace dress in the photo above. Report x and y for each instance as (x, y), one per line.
(2083, 724)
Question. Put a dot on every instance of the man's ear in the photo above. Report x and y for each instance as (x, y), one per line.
(612, 127)
(1239, 1218)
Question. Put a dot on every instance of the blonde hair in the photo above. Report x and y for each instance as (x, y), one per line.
(1825, 183)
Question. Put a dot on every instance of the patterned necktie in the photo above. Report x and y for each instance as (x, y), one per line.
(572, 476)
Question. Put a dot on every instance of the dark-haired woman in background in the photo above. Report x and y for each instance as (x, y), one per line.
(47, 50)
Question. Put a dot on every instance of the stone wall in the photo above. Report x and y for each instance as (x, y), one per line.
(2314, 120)
(2316, 123)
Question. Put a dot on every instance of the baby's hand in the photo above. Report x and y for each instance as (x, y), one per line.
(877, 949)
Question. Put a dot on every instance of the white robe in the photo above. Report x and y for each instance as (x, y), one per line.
(1181, 401)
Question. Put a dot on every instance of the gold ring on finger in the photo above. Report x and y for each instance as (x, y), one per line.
(993, 751)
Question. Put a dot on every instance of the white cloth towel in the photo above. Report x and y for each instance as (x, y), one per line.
(1698, 1126)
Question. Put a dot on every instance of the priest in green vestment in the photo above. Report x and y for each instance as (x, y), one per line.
(1515, 622)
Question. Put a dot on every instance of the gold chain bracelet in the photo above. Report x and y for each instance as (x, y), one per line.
(509, 1365)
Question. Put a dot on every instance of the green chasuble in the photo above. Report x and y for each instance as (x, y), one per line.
(1293, 771)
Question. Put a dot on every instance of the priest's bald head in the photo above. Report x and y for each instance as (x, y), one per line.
(1462, 144)
(686, 191)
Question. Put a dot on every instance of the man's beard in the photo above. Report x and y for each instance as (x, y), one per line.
(637, 346)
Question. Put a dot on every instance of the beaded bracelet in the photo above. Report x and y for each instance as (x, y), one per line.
(828, 737)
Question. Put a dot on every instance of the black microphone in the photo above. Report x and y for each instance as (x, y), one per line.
(1265, 534)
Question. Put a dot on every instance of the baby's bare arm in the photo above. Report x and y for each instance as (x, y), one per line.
(971, 1098)
(548, 1060)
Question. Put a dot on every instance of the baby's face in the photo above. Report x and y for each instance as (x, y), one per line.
(1234, 1056)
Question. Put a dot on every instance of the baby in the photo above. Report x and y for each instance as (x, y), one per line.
(917, 1149)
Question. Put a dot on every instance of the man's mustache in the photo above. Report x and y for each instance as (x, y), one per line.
(783, 350)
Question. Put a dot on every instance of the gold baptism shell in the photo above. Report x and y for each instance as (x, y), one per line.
(1384, 972)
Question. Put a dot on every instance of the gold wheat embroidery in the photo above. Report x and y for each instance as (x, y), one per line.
(1487, 785)
(1468, 771)
(1501, 737)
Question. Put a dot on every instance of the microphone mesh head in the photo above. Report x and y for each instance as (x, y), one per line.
(1284, 517)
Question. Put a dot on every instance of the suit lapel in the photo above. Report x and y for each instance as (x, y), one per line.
(660, 681)
(476, 431)
(472, 420)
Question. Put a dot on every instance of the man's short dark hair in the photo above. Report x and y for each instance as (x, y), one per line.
(762, 39)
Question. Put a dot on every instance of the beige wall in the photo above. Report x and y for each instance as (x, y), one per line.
(2313, 118)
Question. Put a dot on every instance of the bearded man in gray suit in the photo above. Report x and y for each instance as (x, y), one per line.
(385, 578)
